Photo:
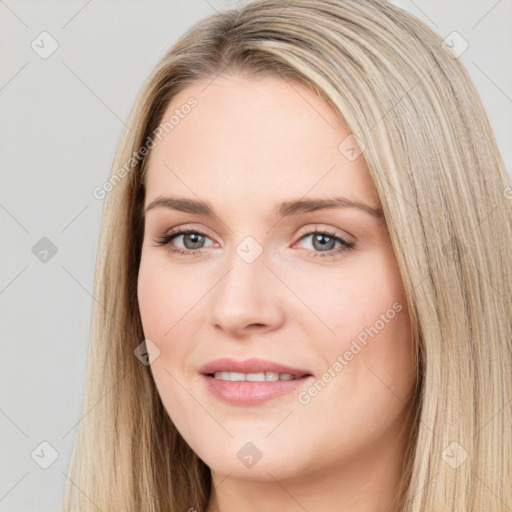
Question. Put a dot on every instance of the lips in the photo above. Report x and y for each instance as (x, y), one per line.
(254, 365)
(240, 382)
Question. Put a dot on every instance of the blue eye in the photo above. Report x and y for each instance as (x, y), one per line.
(326, 240)
(193, 242)
(194, 239)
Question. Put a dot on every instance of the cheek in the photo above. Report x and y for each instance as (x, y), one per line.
(364, 333)
(164, 295)
(153, 299)
(162, 303)
(170, 305)
(348, 300)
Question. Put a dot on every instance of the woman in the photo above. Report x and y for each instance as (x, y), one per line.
(303, 277)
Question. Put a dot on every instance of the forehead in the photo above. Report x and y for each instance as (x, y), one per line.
(255, 137)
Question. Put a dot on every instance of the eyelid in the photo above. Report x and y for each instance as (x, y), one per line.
(308, 230)
(186, 228)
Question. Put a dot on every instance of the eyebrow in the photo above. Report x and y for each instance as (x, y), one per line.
(285, 209)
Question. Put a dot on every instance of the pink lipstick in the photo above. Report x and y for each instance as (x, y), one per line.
(252, 381)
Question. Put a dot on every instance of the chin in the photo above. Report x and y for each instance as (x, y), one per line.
(259, 460)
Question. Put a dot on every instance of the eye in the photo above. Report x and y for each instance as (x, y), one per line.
(192, 240)
(323, 244)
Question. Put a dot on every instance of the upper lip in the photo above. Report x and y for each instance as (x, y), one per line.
(253, 365)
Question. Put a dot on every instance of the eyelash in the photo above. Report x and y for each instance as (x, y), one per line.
(167, 238)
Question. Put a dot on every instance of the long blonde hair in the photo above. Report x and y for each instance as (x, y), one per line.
(442, 184)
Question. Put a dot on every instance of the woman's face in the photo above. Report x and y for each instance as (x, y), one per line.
(244, 174)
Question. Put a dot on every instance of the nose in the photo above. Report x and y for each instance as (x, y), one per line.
(247, 299)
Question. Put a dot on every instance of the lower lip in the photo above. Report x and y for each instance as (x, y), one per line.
(251, 392)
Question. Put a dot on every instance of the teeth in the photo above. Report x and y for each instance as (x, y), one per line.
(255, 377)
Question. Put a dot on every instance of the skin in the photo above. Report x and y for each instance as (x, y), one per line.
(249, 145)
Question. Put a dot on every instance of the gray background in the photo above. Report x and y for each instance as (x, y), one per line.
(61, 121)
